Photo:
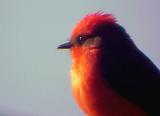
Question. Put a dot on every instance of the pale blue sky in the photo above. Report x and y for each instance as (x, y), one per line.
(34, 75)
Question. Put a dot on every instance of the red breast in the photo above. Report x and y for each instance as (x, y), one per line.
(92, 93)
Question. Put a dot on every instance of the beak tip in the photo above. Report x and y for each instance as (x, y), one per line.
(66, 45)
(60, 47)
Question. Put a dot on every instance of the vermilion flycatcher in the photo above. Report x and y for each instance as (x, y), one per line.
(110, 75)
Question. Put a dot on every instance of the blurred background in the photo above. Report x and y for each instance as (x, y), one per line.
(34, 75)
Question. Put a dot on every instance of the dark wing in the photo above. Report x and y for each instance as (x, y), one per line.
(130, 72)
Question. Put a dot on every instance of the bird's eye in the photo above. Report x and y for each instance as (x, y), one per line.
(81, 39)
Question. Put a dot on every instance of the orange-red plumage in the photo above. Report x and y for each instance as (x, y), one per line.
(90, 22)
(110, 75)
(92, 93)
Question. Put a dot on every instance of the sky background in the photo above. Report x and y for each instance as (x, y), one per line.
(34, 75)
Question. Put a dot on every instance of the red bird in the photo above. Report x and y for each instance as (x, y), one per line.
(110, 75)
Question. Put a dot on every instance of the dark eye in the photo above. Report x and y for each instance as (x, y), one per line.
(81, 39)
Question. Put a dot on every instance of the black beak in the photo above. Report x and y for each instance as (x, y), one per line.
(66, 45)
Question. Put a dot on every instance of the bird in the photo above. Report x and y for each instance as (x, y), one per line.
(110, 75)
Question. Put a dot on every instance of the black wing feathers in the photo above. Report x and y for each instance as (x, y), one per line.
(128, 70)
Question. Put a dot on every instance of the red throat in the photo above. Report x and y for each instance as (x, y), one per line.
(92, 93)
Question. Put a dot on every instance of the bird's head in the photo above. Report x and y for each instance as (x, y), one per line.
(90, 32)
